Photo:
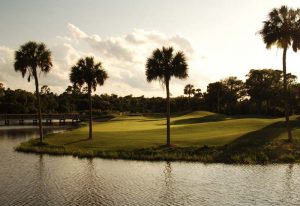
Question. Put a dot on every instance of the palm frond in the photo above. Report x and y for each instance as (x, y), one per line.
(179, 66)
(163, 64)
(32, 56)
(282, 28)
(86, 71)
(154, 69)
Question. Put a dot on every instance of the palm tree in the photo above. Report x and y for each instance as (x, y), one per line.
(198, 93)
(189, 90)
(281, 29)
(162, 65)
(86, 71)
(28, 59)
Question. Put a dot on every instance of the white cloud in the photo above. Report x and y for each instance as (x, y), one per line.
(7, 73)
(76, 32)
(123, 57)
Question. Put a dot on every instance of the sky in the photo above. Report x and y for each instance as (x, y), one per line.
(219, 37)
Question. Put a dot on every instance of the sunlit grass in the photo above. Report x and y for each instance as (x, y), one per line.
(134, 136)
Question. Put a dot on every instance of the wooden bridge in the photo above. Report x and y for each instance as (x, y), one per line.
(47, 119)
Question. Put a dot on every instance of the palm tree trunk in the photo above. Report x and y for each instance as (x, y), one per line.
(286, 99)
(189, 104)
(39, 106)
(90, 116)
(218, 101)
(168, 114)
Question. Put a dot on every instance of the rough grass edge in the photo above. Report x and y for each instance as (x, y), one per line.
(204, 154)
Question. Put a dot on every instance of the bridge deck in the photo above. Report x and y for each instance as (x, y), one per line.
(46, 118)
(35, 116)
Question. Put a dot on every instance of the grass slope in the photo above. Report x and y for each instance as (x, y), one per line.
(198, 136)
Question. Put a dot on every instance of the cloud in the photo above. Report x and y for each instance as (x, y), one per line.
(123, 57)
(8, 76)
(110, 47)
(76, 32)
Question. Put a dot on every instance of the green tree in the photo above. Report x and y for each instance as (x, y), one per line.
(235, 86)
(1, 89)
(264, 87)
(28, 59)
(215, 96)
(162, 65)
(189, 90)
(235, 93)
(49, 102)
(281, 29)
(86, 71)
(198, 93)
(45, 89)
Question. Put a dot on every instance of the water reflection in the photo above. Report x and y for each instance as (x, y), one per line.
(89, 185)
(41, 185)
(288, 189)
(168, 189)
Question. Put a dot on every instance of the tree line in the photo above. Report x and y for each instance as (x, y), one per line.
(260, 94)
(76, 100)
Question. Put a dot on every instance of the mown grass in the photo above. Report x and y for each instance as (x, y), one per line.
(198, 136)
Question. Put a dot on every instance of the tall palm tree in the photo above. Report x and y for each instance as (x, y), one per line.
(281, 29)
(86, 71)
(28, 59)
(162, 65)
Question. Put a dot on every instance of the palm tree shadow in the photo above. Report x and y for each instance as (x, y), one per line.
(149, 120)
(160, 116)
(208, 118)
(106, 119)
(216, 118)
(77, 141)
(257, 140)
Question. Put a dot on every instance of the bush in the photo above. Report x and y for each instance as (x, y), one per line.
(288, 158)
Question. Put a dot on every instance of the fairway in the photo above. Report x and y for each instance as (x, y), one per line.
(192, 129)
(196, 136)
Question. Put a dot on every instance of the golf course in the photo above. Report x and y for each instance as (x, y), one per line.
(196, 136)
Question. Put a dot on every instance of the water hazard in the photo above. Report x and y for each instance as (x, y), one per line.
(28, 179)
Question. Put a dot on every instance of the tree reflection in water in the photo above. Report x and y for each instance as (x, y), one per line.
(289, 187)
(168, 190)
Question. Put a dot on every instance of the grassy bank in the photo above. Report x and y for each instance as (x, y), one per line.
(197, 136)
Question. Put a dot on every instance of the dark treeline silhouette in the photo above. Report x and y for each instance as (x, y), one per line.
(260, 94)
(77, 100)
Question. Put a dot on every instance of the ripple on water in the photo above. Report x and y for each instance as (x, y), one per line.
(27, 179)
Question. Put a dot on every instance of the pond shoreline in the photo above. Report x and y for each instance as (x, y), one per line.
(204, 154)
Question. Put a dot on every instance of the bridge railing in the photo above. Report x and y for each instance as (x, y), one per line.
(44, 116)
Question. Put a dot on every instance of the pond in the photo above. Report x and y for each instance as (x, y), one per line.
(29, 179)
